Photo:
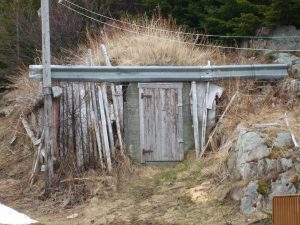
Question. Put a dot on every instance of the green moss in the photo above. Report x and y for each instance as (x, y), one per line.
(270, 57)
(166, 177)
(187, 171)
(263, 187)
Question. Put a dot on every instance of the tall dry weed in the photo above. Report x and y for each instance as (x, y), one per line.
(26, 93)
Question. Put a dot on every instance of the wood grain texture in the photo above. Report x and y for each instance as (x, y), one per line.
(47, 84)
(194, 102)
(116, 112)
(94, 117)
(108, 118)
(104, 129)
(160, 114)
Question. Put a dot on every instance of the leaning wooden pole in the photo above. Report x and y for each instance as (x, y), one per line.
(47, 91)
(115, 105)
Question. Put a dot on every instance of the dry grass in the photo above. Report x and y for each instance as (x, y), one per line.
(27, 94)
(151, 46)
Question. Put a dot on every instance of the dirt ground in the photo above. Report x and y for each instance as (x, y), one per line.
(182, 194)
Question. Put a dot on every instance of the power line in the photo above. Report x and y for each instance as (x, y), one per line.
(179, 32)
(177, 41)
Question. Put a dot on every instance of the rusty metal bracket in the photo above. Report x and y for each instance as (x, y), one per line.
(147, 151)
(145, 96)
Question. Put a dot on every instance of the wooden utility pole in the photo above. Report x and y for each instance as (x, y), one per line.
(47, 91)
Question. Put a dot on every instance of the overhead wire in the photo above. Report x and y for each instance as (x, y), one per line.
(179, 32)
(173, 40)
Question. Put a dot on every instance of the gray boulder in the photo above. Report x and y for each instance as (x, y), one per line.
(251, 200)
(284, 185)
(247, 159)
(282, 140)
(292, 61)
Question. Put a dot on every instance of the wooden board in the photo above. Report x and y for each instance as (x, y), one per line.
(161, 123)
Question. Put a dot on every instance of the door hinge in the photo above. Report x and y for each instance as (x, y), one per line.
(147, 151)
(145, 96)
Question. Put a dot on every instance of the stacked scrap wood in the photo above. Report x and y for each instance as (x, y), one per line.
(87, 124)
(86, 128)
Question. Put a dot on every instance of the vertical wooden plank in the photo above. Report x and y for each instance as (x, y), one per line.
(78, 131)
(95, 119)
(105, 55)
(149, 124)
(172, 102)
(62, 120)
(54, 128)
(89, 58)
(195, 117)
(104, 127)
(180, 124)
(142, 126)
(115, 102)
(70, 122)
(84, 123)
(92, 134)
(89, 122)
(163, 124)
(116, 111)
(204, 119)
(119, 98)
(157, 121)
(49, 173)
(107, 114)
(67, 116)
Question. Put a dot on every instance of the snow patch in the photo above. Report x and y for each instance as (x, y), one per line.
(11, 216)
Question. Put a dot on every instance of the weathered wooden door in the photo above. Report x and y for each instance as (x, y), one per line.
(161, 123)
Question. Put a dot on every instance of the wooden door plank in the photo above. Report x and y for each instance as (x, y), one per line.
(142, 126)
(180, 124)
(159, 122)
(195, 117)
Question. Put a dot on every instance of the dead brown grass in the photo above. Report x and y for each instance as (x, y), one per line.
(26, 93)
(151, 46)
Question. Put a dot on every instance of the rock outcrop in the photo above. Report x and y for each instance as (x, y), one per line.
(257, 157)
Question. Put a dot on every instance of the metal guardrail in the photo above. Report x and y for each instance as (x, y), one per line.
(160, 73)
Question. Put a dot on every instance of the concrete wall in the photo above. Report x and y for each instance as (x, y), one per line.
(132, 122)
